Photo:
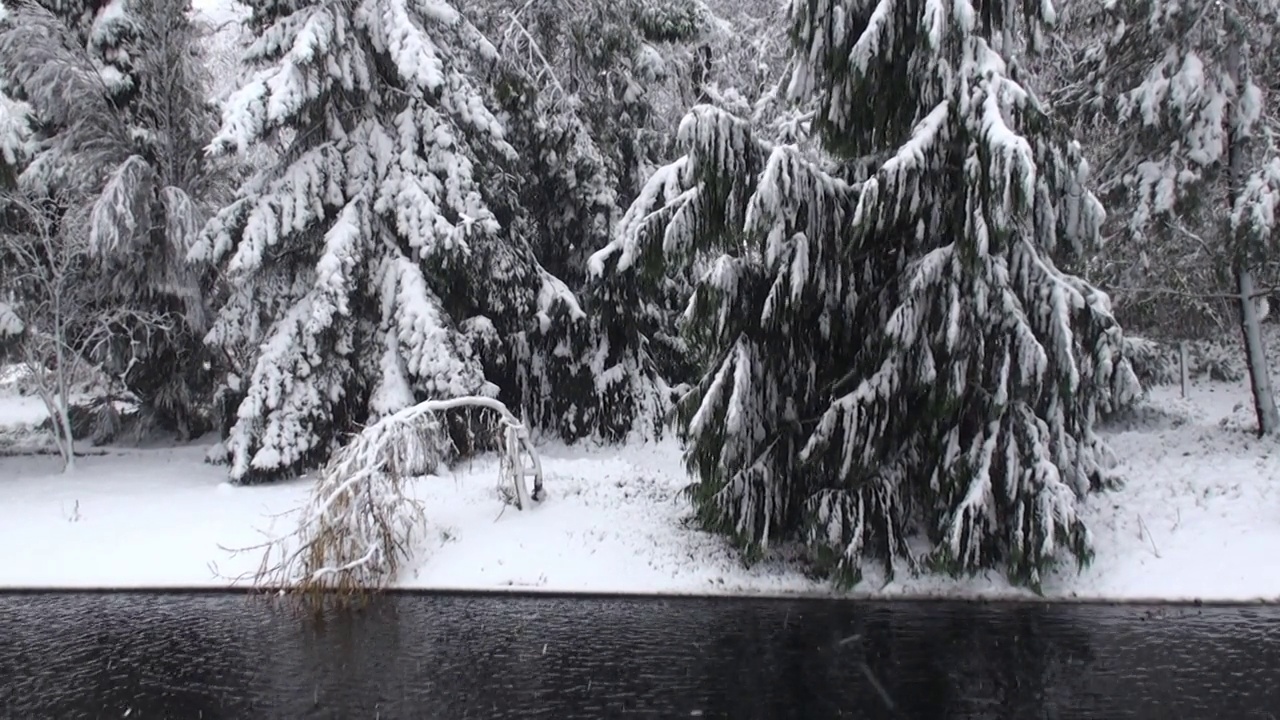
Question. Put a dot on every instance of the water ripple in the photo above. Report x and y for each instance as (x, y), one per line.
(189, 657)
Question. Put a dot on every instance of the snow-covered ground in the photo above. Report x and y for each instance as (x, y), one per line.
(1199, 517)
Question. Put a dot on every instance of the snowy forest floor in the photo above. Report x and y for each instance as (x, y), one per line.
(1197, 518)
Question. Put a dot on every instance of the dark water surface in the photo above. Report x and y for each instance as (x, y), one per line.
(191, 656)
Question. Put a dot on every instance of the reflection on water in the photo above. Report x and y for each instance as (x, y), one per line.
(150, 656)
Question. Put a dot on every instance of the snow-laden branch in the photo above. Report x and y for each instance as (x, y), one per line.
(10, 324)
(360, 522)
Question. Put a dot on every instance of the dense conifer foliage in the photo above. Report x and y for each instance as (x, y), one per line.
(105, 122)
(893, 349)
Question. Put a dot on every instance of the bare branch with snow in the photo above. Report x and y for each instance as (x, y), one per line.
(42, 272)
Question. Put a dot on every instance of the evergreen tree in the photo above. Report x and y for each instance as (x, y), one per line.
(127, 171)
(589, 92)
(163, 194)
(15, 131)
(384, 259)
(1183, 86)
(15, 138)
(893, 349)
(16, 148)
(108, 30)
(1162, 282)
(581, 89)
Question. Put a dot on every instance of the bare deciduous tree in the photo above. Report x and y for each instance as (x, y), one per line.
(67, 331)
(41, 272)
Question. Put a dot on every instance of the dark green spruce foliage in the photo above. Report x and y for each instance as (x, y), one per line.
(578, 88)
(893, 355)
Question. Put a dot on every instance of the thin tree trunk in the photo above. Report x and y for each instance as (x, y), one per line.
(47, 388)
(48, 395)
(1264, 401)
(70, 464)
(64, 413)
(60, 377)
(1006, 37)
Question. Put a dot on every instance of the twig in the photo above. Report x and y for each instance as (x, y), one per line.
(1264, 292)
(1175, 226)
(533, 45)
(1142, 527)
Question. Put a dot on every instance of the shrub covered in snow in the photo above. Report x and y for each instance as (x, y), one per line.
(1154, 362)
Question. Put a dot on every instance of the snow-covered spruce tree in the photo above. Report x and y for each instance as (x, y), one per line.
(624, 70)
(74, 129)
(635, 305)
(558, 194)
(590, 92)
(16, 147)
(375, 266)
(1183, 84)
(15, 139)
(896, 354)
(585, 90)
(146, 220)
(722, 59)
(16, 132)
(127, 171)
(106, 29)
